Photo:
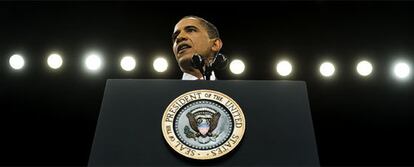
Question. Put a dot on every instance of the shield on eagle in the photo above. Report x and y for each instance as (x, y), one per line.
(203, 121)
(203, 128)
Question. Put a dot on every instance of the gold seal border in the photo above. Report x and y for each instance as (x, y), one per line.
(231, 143)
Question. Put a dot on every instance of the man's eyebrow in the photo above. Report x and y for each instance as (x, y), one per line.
(174, 35)
(190, 27)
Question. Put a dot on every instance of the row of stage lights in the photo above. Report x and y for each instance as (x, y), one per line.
(93, 62)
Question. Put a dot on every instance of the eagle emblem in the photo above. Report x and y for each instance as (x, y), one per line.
(203, 124)
(203, 121)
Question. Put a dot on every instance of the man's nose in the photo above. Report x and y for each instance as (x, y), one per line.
(181, 37)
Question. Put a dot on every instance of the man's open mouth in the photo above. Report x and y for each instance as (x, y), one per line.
(182, 48)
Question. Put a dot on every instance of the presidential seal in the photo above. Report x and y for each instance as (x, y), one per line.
(203, 124)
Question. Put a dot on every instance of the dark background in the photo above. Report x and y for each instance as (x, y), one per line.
(49, 117)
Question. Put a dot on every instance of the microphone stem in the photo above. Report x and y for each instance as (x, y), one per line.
(207, 77)
(207, 73)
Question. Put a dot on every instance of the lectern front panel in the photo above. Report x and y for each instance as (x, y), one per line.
(279, 129)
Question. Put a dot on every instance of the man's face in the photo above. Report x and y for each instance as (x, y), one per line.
(189, 38)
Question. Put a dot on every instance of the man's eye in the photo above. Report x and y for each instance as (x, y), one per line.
(191, 30)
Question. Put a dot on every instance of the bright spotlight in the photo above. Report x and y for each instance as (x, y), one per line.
(160, 64)
(402, 70)
(93, 62)
(284, 68)
(364, 68)
(327, 69)
(128, 63)
(54, 61)
(16, 62)
(237, 66)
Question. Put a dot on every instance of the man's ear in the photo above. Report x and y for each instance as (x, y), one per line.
(217, 44)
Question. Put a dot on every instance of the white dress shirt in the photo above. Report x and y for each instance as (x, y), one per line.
(187, 76)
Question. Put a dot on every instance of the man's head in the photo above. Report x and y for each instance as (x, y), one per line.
(193, 35)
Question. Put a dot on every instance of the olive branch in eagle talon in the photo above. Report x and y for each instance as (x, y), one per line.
(189, 134)
(194, 125)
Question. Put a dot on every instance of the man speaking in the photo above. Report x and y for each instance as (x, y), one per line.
(196, 44)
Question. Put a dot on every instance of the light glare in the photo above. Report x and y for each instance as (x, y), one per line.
(364, 68)
(237, 66)
(402, 70)
(128, 63)
(160, 64)
(16, 62)
(54, 61)
(284, 68)
(327, 69)
(93, 62)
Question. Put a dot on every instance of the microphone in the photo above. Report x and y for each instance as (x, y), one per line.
(219, 63)
(197, 61)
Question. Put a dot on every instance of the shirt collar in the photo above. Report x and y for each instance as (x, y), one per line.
(187, 76)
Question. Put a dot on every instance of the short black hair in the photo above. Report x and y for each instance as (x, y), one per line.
(211, 28)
